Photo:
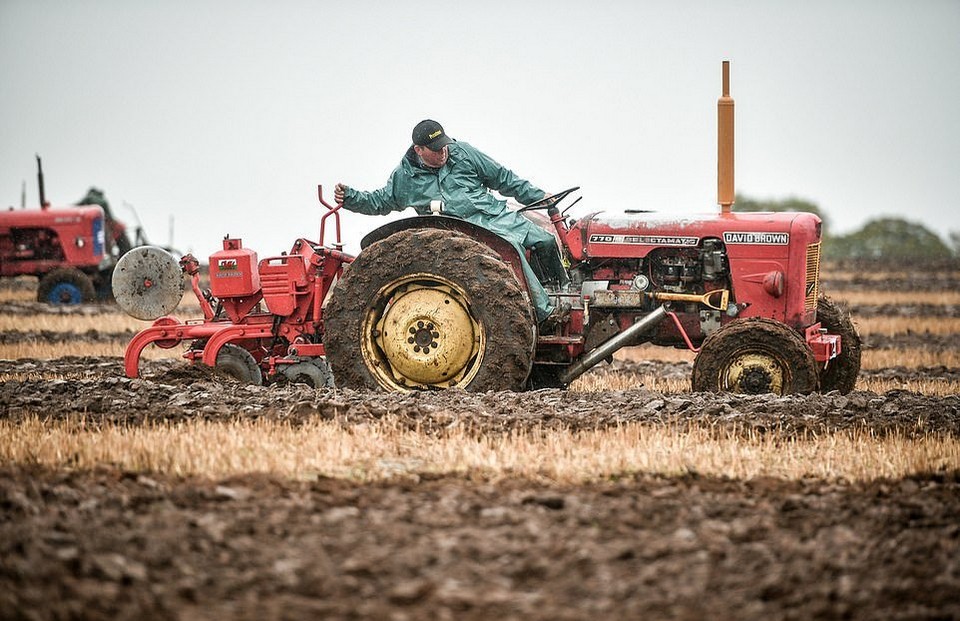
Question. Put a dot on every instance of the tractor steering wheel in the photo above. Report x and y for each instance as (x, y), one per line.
(549, 201)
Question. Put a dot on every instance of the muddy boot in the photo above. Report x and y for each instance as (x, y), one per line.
(557, 317)
(549, 260)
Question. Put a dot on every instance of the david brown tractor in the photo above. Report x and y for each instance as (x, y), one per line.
(71, 250)
(434, 302)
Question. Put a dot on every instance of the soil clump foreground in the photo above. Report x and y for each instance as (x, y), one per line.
(113, 544)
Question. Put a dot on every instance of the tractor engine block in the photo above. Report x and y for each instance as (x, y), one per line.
(674, 270)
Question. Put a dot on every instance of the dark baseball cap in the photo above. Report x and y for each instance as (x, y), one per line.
(430, 134)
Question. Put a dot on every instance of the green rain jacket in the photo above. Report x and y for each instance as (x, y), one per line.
(462, 185)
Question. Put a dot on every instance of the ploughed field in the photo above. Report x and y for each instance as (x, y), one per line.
(185, 495)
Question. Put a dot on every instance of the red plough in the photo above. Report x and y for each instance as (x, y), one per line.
(261, 319)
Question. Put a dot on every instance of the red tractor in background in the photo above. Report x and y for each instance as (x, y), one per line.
(434, 302)
(71, 250)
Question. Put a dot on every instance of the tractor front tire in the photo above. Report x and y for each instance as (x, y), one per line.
(755, 356)
(65, 285)
(427, 309)
(239, 364)
(841, 372)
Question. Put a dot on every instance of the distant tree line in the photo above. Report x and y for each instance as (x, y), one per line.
(880, 238)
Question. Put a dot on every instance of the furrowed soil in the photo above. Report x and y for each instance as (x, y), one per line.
(111, 543)
(117, 545)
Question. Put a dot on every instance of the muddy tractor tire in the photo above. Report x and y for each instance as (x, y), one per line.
(239, 364)
(755, 356)
(841, 373)
(66, 285)
(429, 309)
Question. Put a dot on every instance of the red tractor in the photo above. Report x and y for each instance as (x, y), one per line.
(434, 302)
(71, 250)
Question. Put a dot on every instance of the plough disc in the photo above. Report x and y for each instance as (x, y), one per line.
(148, 283)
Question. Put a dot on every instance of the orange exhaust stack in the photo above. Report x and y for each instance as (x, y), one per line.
(725, 191)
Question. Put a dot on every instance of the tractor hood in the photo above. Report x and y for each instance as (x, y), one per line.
(636, 234)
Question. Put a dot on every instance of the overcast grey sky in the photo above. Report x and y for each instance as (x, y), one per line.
(226, 115)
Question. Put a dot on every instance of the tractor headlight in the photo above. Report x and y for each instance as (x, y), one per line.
(774, 283)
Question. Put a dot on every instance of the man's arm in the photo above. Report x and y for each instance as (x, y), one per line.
(502, 179)
(375, 203)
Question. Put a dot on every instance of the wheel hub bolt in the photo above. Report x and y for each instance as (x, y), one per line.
(423, 336)
(756, 380)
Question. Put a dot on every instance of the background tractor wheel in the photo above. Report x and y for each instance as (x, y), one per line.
(66, 285)
(314, 372)
(429, 309)
(103, 285)
(841, 373)
(238, 363)
(754, 356)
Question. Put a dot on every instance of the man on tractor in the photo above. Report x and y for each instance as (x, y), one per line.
(441, 175)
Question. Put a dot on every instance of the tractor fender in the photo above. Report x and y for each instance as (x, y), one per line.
(507, 252)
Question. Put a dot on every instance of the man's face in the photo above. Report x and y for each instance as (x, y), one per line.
(433, 159)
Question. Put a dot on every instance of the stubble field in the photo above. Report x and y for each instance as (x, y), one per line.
(183, 495)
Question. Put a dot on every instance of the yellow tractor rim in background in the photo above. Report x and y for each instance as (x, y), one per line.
(754, 373)
(420, 334)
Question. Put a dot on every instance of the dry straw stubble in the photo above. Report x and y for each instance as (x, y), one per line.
(386, 449)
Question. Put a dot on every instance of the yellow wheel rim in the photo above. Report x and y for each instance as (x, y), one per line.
(420, 334)
(754, 373)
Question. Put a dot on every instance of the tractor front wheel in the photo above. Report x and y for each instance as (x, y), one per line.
(428, 309)
(755, 356)
(65, 285)
(841, 372)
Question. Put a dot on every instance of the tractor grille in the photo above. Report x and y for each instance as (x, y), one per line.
(813, 276)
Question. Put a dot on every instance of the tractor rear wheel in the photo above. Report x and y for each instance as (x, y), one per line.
(841, 373)
(65, 285)
(754, 356)
(429, 309)
(239, 364)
